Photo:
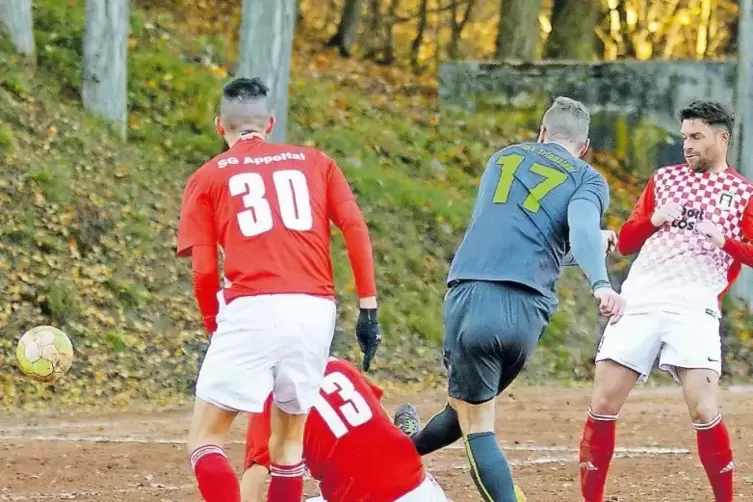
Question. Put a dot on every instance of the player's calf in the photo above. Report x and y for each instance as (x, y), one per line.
(612, 385)
(441, 430)
(700, 388)
(489, 468)
(214, 475)
(286, 455)
(596, 450)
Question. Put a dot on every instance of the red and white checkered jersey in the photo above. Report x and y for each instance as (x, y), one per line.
(679, 268)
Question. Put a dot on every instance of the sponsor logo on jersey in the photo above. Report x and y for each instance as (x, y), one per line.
(689, 218)
(267, 159)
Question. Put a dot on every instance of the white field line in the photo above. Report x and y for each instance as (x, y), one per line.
(640, 450)
(563, 459)
(74, 495)
(101, 439)
(155, 487)
(84, 425)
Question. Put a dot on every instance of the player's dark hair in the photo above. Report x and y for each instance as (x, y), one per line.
(245, 89)
(245, 105)
(712, 113)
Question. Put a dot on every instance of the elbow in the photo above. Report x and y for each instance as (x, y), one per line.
(627, 244)
(625, 247)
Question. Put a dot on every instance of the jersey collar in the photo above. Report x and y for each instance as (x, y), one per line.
(248, 136)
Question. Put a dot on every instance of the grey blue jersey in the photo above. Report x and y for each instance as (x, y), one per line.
(519, 229)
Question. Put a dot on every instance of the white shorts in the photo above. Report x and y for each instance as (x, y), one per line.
(689, 340)
(268, 343)
(428, 491)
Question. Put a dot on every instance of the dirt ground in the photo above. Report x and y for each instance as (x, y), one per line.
(133, 456)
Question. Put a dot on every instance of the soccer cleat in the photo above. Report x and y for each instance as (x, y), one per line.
(407, 419)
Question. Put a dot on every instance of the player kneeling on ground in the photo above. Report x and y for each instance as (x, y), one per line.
(688, 228)
(349, 442)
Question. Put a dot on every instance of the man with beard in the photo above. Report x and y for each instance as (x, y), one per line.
(691, 228)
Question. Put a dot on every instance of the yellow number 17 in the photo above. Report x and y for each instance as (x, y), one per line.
(509, 164)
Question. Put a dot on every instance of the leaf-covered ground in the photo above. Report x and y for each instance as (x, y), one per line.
(88, 223)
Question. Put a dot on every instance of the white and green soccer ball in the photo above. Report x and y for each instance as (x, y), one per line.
(44, 353)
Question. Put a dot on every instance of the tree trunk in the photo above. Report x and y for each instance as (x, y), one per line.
(374, 29)
(423, 18)
(266, 46)
(15, 16)
(388, 54)
(573, 35)
(104, 91)
(348, 27)
(519, 33)
(457, 26)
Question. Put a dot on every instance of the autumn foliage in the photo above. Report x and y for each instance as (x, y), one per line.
(87, 231)
(423, 33)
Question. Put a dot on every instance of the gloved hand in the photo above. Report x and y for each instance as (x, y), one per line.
(369, 337)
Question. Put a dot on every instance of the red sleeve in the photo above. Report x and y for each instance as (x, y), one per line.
(638, 227)
(257, 438)
(206, 283)
(344, 212)
(742, 250)
(378, 392)
(196, 226)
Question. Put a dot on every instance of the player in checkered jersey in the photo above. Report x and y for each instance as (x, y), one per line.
(690, 228)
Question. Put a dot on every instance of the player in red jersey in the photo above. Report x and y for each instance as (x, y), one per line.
(691, 228)
(350, 445)
(268, 207)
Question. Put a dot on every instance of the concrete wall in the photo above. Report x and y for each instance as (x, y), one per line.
(634, 104)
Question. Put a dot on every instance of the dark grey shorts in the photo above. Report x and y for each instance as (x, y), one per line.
(491, 328)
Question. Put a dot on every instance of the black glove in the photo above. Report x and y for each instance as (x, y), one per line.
(367, 332)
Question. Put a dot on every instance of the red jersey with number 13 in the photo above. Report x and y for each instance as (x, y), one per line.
(350, 445)
(269, 208)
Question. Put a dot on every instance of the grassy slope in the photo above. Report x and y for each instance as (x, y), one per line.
(87, 227)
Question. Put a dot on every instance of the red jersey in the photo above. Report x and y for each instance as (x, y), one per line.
(350, 445)
(269, 208)
(677, 267)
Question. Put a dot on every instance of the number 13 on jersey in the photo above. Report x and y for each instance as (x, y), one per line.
(353, 412)
(509, 165)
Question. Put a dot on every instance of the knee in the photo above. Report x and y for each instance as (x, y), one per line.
(285, 450)
(703, 411)
(604, 402)
(474, 418)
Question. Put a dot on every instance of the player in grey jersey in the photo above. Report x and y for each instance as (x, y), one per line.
(536, 202)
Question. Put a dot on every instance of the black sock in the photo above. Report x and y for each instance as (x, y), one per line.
(442, 430)
(489, 468)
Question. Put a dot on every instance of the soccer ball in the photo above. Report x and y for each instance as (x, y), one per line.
(44, 353)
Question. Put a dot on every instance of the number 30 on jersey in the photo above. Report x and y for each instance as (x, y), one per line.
(292, 192)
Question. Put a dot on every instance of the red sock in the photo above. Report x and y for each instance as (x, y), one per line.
(716, 457)
(596, 450)
(286, 484)
(217, 480)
